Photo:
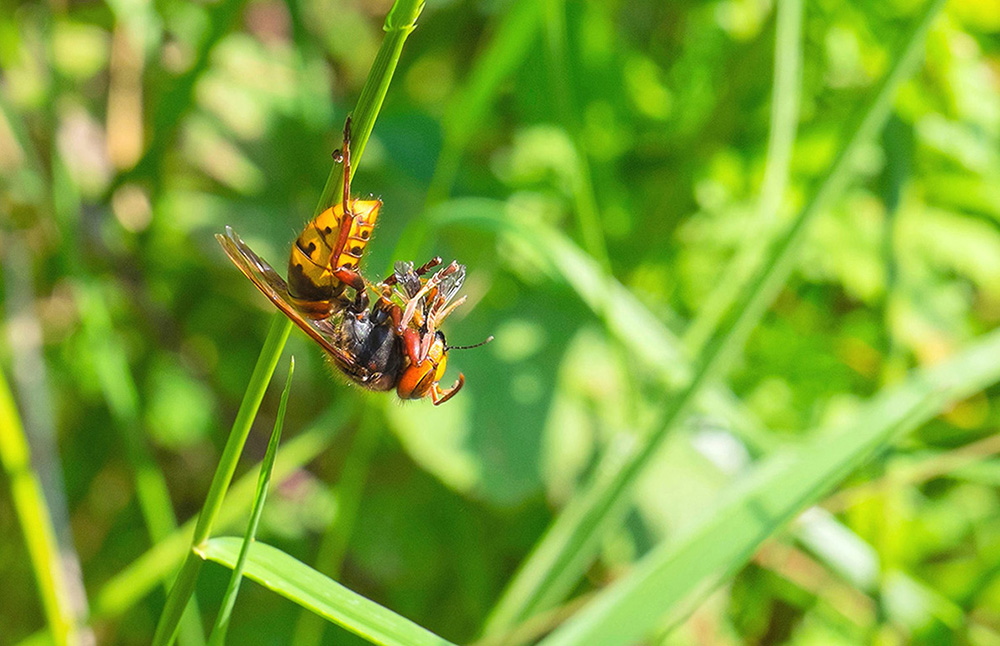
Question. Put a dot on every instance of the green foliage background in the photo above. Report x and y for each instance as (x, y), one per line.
(521, 138)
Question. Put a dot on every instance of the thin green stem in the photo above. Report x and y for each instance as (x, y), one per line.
(118, 386)
(585, 203)
(183, 587)
(510, 44)
(400, 21)
(218, 636)
(781, 139)
(36, 524)
(567, 548)
(136, 580)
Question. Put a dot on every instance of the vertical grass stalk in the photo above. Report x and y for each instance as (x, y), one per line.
(114, 375)
(400, 21)
(509, 46)
(218, 636)
(588, 218)
(785, 100)
(135, 581)
(183, 587)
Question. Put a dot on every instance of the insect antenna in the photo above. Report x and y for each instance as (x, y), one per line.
(469, 347)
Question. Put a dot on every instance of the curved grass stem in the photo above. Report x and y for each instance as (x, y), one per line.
(400, 21)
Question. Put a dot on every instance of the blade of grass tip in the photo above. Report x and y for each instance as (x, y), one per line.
(781, 139)
(568, 546)
(348, 492)
(677, 573)
(36, 525)
(136, 580)
(300, 583)
(184, 584)
(218, 635)
(400, 21)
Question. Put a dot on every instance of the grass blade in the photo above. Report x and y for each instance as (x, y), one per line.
(667, 579)
(650, 342)
(137, 580)
(398, 24)
(509, 46)
(310, 589)
(588, 218)
(218, 636)
(567, 548)
(121, 394)
(183, 587)
(36, 525)
(781, 139)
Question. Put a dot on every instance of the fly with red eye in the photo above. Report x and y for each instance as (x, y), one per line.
(427, 305)
(394, 344)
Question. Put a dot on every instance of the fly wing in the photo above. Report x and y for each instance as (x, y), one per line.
(274, 287)
(451, 283)
(407, 278)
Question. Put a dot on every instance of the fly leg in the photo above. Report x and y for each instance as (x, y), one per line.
(440, 396)
(419, 271)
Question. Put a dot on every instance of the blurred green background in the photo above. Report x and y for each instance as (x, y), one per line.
(635, 135)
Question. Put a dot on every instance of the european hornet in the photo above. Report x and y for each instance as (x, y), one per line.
(395, 343)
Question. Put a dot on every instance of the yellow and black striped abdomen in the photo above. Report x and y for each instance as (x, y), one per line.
(310, 268)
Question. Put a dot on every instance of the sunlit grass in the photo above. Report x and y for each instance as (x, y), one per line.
(399, 23)
(568, 547)
(36, 523)
(218, 634)
(682, 374)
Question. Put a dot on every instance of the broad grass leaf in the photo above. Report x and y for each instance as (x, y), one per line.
(315, 591)
(669, 579)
